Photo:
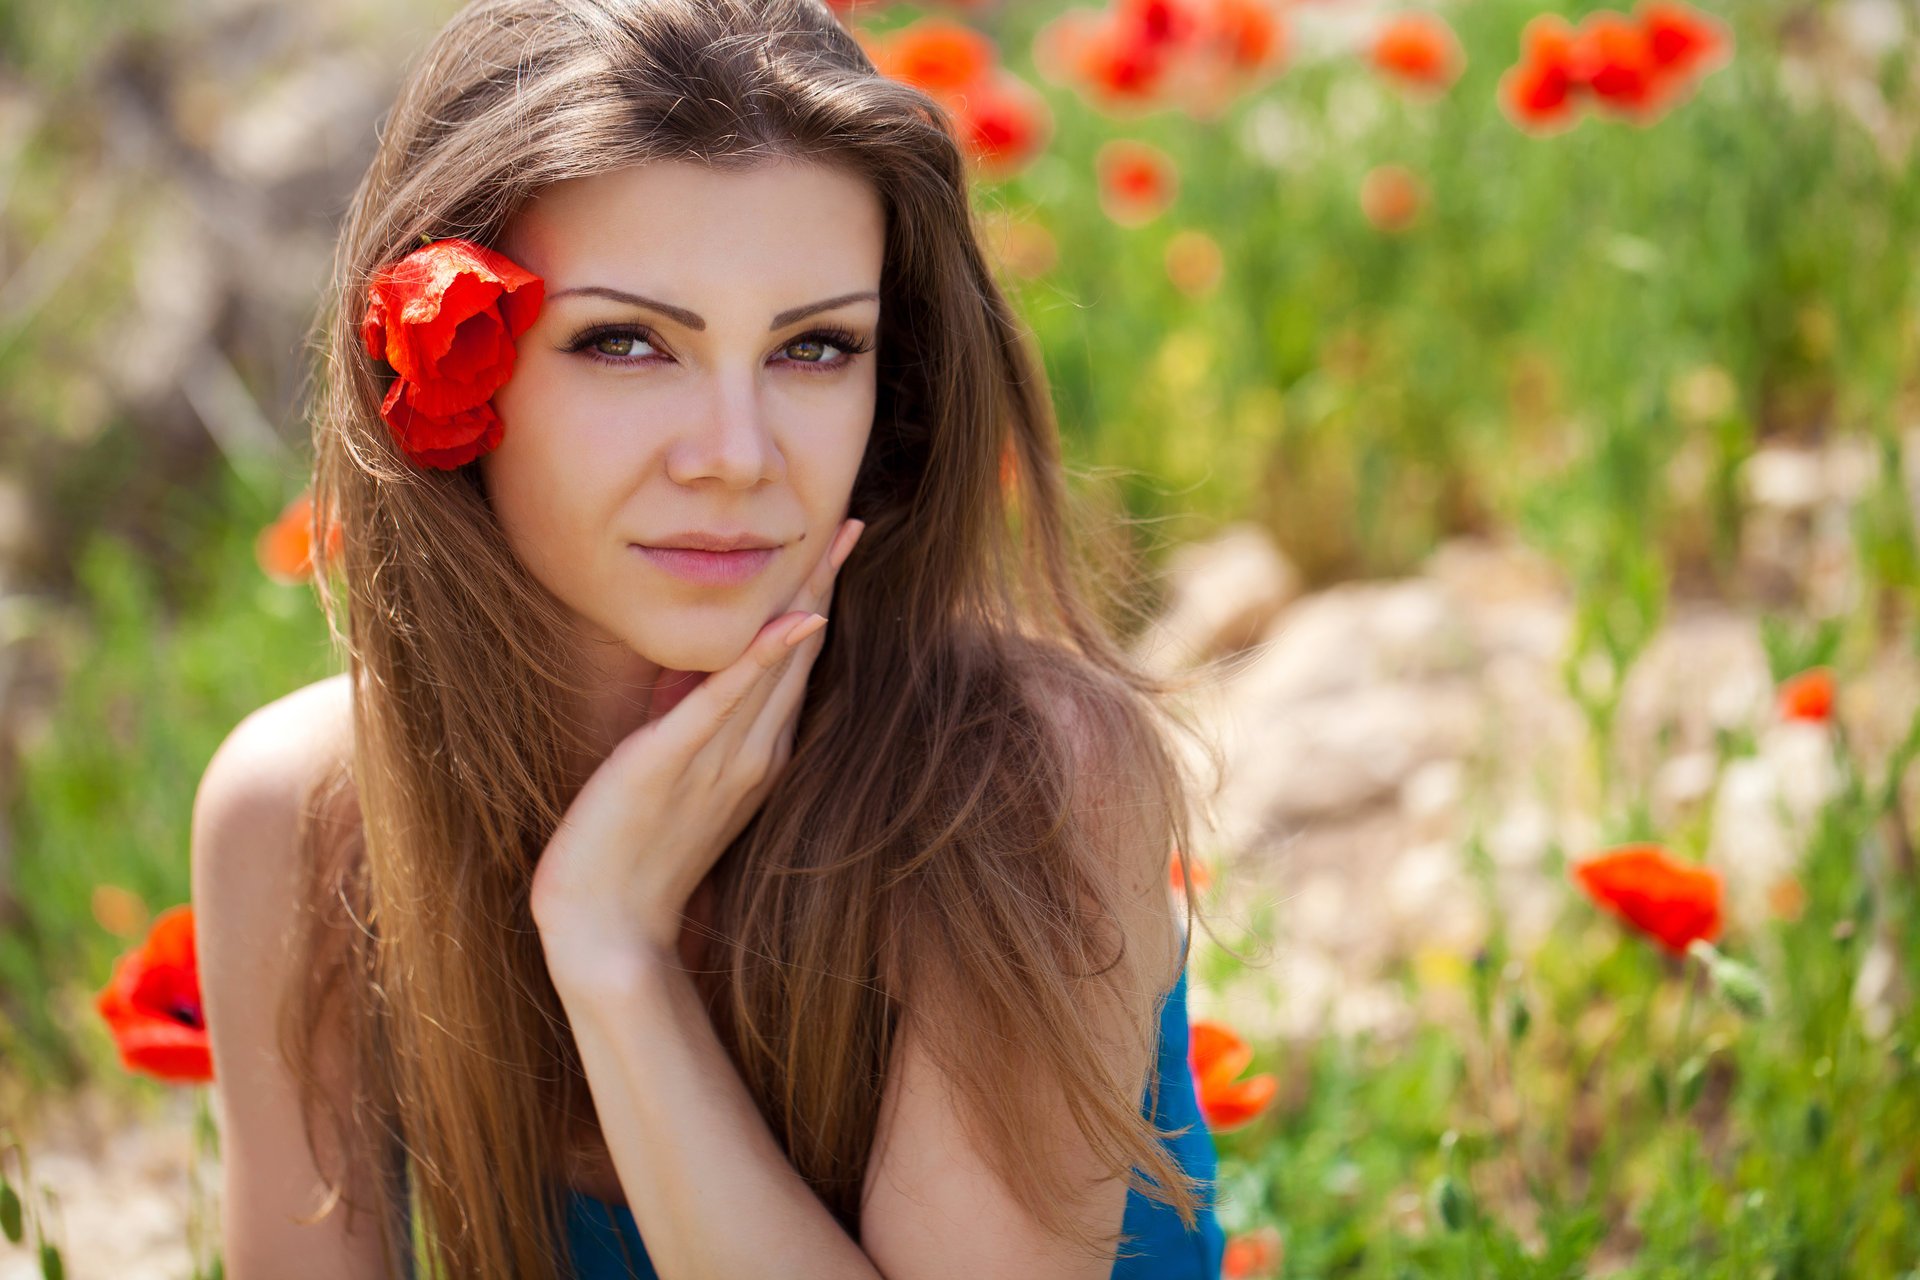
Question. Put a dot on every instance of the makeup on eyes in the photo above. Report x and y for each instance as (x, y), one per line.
(851, 344)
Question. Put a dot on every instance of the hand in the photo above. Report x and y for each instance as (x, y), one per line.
(658, 812)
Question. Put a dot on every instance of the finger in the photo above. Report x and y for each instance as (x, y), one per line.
(816, 594)
(692, 724)
(768, 736)
(816, 591)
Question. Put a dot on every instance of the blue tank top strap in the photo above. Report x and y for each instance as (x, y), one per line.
(606, 1244)
(1162, 1248)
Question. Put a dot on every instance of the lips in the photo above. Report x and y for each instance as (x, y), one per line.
(708, 568)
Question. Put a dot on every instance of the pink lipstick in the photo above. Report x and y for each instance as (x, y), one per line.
(709, 568)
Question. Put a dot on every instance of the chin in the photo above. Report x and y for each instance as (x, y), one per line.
(693, 653)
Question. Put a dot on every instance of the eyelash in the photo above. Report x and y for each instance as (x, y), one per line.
(850, 343)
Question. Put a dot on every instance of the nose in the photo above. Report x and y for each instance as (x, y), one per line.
(731, 440)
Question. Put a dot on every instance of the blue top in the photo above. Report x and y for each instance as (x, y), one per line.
(606, 1240)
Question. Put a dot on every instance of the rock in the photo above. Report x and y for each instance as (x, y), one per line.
(1224, 593)
(1705, 671)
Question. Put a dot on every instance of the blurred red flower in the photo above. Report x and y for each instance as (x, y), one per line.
(1682, 40)
(935, 54)
(1195, 262)
(1538, 93)
(152, 1004)
(1419, 50)
(284, 549)
(1613, 58)
(1635, 68)
(1253, 1255)
(1808, 695)
(1217, 1055)
(1391, 197)
(1006, 120)
(1137, 181)
(1786, 897)
(1202, 878)
(1142, 55)
(1085, 48)
(1671, 901)
(1002, 121)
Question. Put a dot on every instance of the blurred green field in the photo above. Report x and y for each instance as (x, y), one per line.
(1581, 339)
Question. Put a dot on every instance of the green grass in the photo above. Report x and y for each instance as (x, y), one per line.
(1530, 356)
(105, 793)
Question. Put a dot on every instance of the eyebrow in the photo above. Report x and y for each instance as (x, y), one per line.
(693, 321)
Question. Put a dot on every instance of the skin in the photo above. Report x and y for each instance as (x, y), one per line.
(727, 427)
(726, 432)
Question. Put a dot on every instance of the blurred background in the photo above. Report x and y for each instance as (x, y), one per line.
(1524, 395)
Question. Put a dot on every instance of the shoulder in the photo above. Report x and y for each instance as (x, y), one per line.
(1123, 785)
(269, 761)
(1006, 1086)
(250, 801)
(251, 887)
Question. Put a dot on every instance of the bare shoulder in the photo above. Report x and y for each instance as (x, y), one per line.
(1117, 794)
(249, 883)
(289, 741)
(935, 1203)
(247, 809)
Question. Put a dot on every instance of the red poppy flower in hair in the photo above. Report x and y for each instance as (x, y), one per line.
(445, 318)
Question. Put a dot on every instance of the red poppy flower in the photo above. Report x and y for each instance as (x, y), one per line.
(938, 55)
(1681, 40)
(1202, 878)
(152, 1004)
(1230, 47)
(1808, 696)
(1158, 22)
(1217, 1055)
(1139, 55)
(447, 442)
(1001, 121)
(1004, 122)
(1633, 67)
(1247, 32)
(284, 548)
(1419, 50)
(1137, 181)
(1537, 94)
(1671, 901)
(1614, 59)
(1252, 1255)
(445, 318)
(1116, 65)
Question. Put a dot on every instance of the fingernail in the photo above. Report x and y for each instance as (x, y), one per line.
(809, 625)
(849, 536)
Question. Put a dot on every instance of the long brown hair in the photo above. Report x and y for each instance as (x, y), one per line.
(927, 814)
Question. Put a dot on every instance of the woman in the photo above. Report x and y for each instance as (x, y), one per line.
(637, 921)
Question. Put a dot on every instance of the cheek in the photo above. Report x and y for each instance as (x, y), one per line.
(537, 480)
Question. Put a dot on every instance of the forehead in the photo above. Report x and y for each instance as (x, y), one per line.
(781, 224)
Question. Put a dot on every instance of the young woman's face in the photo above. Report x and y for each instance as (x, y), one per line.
(702, 364)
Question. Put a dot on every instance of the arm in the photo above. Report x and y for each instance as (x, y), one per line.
(709, 1186)
(712, 1192)
(932, 1207)
(245, 892)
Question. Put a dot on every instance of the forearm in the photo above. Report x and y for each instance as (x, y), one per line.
(709, 1186)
